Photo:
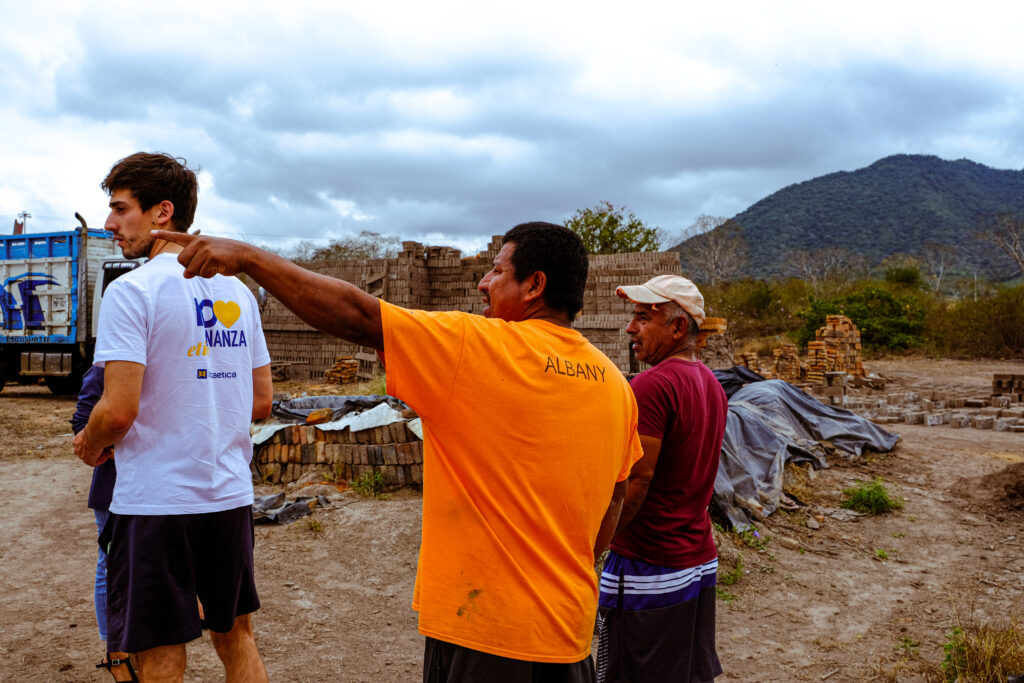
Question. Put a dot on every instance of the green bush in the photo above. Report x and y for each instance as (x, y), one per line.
(758, 308)
(991, 326)
(369, 485)
(871, 498)
(886, 321)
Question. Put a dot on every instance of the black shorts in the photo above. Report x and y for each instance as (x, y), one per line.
(443, 662)
(157, 565)
(675, 643)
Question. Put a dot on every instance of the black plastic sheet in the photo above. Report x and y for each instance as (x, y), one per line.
(275, 509)
(770, 424)
(298, 409)
(734, 379)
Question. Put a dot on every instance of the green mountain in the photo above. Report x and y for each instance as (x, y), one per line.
(895, 205)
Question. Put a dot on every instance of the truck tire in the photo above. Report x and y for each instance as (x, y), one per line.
(69, 385)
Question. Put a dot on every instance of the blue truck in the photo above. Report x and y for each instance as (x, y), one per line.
(49, 305)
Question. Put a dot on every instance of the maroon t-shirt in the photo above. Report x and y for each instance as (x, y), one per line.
(682, 404)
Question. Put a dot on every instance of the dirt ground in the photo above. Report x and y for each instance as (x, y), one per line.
(809, 605)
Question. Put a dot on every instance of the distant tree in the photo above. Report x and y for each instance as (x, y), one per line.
(820, 266)
(937, 260)
(607, 230)
(366, 245)
(903, 269)
(1006, 232)
(713, 249)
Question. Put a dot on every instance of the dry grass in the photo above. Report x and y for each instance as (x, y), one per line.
(296, 388)
(796, 483)
(984, 652)
(900, 668)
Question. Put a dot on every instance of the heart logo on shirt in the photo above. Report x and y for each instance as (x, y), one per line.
(227, 312)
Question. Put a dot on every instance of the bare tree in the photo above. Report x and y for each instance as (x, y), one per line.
(714, 248)
(937, 260)
(1006, 231)
(820, 266)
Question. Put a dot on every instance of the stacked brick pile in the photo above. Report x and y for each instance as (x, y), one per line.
(842, 345)
(787, 364)
(393, 451)
(708, 328)
(1010, 386)
(749, 360)
(818, 362)
(343, 372)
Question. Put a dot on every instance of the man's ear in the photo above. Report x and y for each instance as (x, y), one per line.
(680, 326)
(163, 212)
(535, 285)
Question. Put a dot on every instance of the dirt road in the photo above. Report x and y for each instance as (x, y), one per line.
(851, 601)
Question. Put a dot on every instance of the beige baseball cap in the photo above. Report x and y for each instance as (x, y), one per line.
(664, 288)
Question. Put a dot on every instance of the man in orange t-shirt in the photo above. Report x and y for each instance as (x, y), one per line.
(529, 435)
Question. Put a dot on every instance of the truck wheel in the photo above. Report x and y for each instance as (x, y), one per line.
(70, 384)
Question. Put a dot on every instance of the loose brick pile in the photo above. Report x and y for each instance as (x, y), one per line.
(392, 450)
(957, 408)
(1010, 386)
(344, 371)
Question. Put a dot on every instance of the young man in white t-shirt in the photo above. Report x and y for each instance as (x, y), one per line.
(186, 369)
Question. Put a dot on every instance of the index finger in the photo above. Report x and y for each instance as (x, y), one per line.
(182, 238)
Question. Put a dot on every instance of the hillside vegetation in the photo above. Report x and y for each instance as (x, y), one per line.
(897, 205)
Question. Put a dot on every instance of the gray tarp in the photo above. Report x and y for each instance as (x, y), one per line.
(347, 412)
(771, 423)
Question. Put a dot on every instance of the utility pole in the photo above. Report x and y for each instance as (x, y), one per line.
(19, 227)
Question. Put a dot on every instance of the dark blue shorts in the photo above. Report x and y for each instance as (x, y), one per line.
(157, 565)
(656, 623)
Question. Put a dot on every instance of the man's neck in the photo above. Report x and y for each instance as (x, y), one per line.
(542, 312)
(164, 247)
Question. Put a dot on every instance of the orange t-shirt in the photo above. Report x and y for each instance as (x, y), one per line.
(526, 427)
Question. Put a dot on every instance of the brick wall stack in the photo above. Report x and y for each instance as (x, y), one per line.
(439, 278)
(392, 450)
(604, 316)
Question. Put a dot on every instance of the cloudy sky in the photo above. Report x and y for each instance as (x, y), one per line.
(447, 122)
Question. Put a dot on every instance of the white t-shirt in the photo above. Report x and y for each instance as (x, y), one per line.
(188, 450)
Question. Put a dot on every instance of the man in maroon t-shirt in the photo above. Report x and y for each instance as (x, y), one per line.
(657, 603)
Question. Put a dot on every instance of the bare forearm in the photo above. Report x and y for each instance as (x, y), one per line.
(328, 304)
(611, 516)
(635, 494)
(105, 428)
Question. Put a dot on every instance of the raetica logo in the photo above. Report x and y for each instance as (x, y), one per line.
(208, 315)
(203, 373)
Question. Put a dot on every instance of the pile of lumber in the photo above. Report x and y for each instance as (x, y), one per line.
(343, 372)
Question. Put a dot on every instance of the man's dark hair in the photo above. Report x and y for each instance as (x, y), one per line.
(559, 253)
(152, 178)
